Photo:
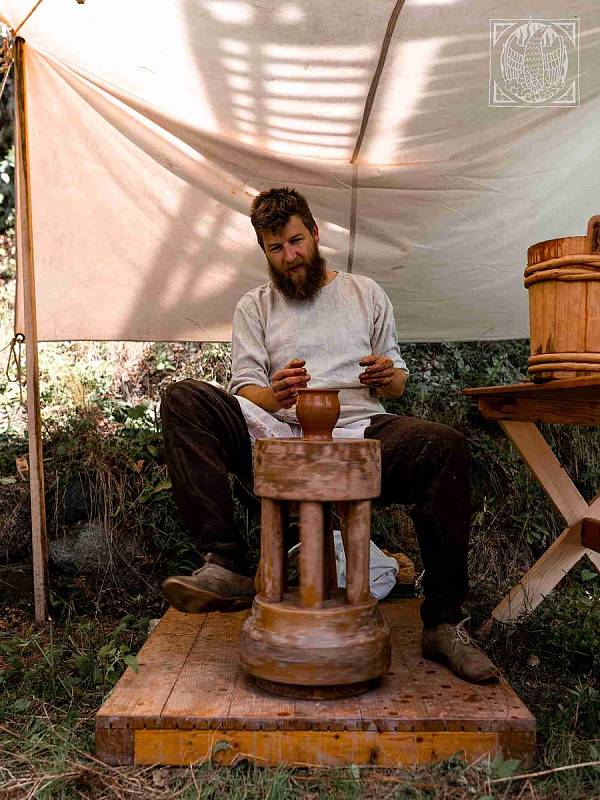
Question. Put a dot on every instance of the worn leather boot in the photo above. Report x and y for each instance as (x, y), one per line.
(210, 588)
(452, 645)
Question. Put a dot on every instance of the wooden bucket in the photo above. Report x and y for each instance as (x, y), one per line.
(563, 280)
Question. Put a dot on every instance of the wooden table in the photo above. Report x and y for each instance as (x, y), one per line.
(574, 401)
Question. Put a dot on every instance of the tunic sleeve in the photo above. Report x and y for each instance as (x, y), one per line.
(250, 363)
(384, 340)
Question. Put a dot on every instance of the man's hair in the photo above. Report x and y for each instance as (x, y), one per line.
(272, 210)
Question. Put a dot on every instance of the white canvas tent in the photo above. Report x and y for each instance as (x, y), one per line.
(151, 125)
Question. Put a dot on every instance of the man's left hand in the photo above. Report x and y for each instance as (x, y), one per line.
(379, 371)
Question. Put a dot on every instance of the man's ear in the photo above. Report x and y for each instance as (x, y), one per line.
(315, 233)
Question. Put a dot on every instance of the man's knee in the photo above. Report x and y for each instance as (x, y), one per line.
(185, 398)
(449, 440)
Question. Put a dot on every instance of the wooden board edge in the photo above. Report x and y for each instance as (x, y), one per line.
(529, 387)
(519, 744)
(114, 745)
(415, 726)
(315, 748)
(525, 409)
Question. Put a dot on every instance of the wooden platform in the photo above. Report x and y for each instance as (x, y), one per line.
(190, 701)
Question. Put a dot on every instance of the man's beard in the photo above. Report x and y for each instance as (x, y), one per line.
(306, 287)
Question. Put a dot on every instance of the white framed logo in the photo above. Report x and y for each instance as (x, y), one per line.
(534, 62)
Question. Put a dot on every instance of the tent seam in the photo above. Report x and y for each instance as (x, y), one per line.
(353, 202)
(376, 77)
(389, 32)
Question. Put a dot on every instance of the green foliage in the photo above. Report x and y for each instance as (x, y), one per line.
(61, 665)
(7, 190)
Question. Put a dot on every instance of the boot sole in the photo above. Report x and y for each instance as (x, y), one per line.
(200, 601)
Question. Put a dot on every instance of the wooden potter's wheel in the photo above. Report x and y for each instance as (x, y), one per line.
(315, 640)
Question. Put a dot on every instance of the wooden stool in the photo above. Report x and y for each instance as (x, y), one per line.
(316, 640)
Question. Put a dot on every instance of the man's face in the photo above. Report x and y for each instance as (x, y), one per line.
(295, 264)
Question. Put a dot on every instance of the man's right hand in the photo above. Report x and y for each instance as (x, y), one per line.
(286, 382)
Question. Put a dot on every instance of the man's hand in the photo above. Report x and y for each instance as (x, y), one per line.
(379, 371)
(283, 391)
(383, 376)
(287, 381)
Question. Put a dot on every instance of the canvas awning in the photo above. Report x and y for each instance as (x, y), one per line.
(152, 125)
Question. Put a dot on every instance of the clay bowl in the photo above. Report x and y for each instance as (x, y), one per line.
(318, 411)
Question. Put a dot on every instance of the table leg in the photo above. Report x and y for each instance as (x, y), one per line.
(554, 479)
(567, 549)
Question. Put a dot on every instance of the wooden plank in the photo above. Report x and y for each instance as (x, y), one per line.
(203, 690)
(453, 704)
(564, 412)
(324, 715)
(211, 701)
(252, 708)
(39, 537)
(587, 388)
(592, 342)
(138, 698)
(396, 704)
(309, 748)
(571, 318)
(553, 478)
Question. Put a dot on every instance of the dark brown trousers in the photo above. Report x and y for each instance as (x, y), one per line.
(424, 464)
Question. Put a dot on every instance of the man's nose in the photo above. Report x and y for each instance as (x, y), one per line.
(289, 253)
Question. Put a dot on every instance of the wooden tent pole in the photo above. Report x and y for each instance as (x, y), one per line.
(39, 540)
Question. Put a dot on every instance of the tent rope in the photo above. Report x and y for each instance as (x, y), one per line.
(33, 10)
(16, 356)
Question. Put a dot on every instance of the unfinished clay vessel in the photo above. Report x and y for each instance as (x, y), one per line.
(318, 411)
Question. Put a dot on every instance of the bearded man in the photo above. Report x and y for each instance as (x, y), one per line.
(337, 330)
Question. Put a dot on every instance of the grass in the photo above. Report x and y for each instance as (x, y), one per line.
(101, 433)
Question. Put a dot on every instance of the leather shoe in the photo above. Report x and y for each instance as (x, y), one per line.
(451, 645)
(210, 588)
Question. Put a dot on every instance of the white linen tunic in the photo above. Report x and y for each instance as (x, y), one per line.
(350, 318)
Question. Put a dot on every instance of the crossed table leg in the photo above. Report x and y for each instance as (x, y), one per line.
(517, 408)
(581, 535)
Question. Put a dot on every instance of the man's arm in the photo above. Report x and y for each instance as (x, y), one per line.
(283, 391)
(388, 381)
(385, 371)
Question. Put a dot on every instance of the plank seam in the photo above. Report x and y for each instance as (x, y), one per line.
(185, 660)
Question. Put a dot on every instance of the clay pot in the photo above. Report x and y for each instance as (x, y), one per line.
(317, 411)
